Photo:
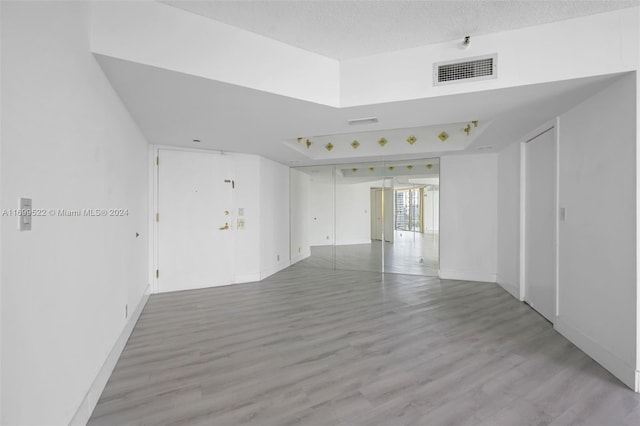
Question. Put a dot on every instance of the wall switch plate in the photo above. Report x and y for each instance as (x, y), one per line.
(241, 211)
(240, 223)
(25, 214)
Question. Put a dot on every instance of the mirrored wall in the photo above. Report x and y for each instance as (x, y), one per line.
(379, 216)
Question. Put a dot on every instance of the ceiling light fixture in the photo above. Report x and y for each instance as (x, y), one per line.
(367, 120)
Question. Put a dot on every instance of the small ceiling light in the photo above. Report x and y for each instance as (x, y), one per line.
(355, 144)
(466, 42)
(382, 142)
(409, 167)
(308, 144)
(411, 140)
(467, 129)
(429, 166)
(475, 123)
(391, 167)
(371, 169)
(329, 146)
(299, 140)
(196, 140)
(366, 120)
(443, 136)
(354, 170)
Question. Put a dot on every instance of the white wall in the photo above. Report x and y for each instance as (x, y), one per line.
(468, 217)
(508, 260)
(597, 297)
(246, 196)
(353, 215)
(67, 142)
(349, 222)
(274, 217)
(531, 55)
(156, 34)
(299, 199)
(321, 211)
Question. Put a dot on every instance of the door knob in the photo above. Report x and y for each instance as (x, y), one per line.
(225, 227)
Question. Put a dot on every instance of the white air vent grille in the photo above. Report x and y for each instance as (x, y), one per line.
(471, 69)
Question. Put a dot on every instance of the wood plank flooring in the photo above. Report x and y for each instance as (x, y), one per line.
(322, 347)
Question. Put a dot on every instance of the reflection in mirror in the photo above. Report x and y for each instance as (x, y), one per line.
(414, 248)
(312, 213)
(380, 217)
(358, 211)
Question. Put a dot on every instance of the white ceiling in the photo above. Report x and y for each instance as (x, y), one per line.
(173, 109)
(349, 29)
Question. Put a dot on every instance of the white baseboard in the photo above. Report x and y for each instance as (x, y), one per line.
(450, 274)
(247, 278)
(512, 289)
(277, 268)
(299, 257)
(626, 373)
(93, 394)
(353, 242)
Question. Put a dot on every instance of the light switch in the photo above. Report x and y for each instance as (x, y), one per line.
(25, 214)
(240, 223)
(241, 211)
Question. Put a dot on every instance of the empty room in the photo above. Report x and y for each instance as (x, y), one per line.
(319, 212)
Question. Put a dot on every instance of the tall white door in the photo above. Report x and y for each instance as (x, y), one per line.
(540, 224)
(382, 214)
(376, 214)
(195, 228)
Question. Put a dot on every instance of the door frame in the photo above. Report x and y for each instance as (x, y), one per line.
(153, 227)
(551, 125)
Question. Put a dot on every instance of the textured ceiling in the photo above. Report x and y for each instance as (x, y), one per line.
(350, 29)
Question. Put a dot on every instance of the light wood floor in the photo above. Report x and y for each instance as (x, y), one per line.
(319, 347)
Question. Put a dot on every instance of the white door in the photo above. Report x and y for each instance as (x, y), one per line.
(382, 214)
(194, 202)
(376, 214)
(540, 224)
(388, 211)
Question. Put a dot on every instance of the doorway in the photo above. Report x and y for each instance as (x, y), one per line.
(541, 223)
(381, 219)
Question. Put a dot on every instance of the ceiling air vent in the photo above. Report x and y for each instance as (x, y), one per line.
(471, 69)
